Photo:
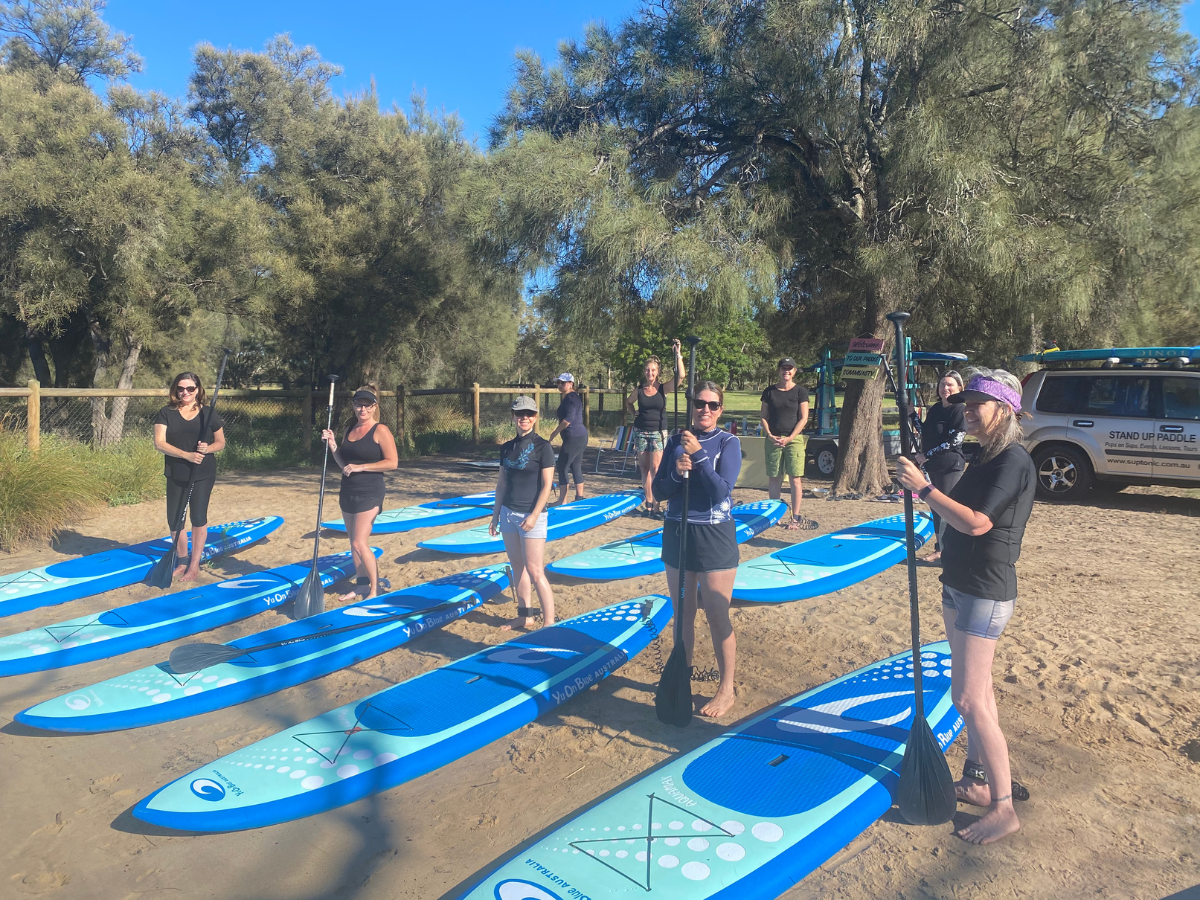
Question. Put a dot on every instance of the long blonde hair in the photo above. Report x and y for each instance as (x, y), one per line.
(374, 389)
(1007, 430)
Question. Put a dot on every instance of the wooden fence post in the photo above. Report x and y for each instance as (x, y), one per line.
(537, 398)
(400, 415)
(33, 418)
(306, 424)
(587, 411)
(475, 413)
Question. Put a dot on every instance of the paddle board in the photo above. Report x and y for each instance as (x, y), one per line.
(642, 553)
(427, 515)
(136, 625)
(409, 729)
(1123, 353)
(747, 815)
(564, 521)
(827, 563)
(96, 573)
(156, 694)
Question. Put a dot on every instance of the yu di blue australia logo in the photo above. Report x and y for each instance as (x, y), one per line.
(207, 789)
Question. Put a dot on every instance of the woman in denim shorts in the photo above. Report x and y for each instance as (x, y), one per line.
(650, 425)
(985, 516)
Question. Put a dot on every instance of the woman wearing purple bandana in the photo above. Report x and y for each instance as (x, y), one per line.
(985, 515)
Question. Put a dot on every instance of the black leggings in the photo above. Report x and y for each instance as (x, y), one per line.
(197, 508)
(570, 456)
(944, 482)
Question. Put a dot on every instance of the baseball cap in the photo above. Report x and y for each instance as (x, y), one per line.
(787, 361)
(565, 376)
(524, 404)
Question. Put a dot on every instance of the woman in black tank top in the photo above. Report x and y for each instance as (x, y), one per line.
(367, 451)
(650, 425)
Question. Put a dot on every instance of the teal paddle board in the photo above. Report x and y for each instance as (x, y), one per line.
(642, 553)
(427, 515)
(108, 570)
(747, 815)
(402, 732)
(159, 619)
(828, 563)
(563, 521)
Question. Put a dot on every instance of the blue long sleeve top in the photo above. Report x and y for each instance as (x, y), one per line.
(715, 469)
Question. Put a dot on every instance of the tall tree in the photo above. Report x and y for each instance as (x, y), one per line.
(68, 37)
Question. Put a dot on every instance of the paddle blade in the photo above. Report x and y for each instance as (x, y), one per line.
(163, 572)
(673, 700)
(310, 599)
(194, 657)
(926, 791)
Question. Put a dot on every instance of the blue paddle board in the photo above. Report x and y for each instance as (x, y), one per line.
(564, 521)
(407, 730)
(828, 563)
(747, 815)
(427, 515)
(136, 625)
(156, 694)
(111, 569)
(642, 553)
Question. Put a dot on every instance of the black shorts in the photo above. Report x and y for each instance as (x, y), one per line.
(353, 502)
(710, 548)
(197, 506)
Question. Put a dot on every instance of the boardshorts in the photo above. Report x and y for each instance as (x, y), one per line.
(649, 441)
(510, 523)
(789, 459)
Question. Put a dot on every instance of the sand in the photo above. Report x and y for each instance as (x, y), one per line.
(1098, 679)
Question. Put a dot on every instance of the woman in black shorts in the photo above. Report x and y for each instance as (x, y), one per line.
(574, 438)
(713, 459)
(367, 451)
(177, 436)
(650, 426)
(985, 518)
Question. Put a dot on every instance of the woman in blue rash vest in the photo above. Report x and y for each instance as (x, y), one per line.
(650, 425)
(367, 451)
(712, 458)
(941, 453)
(519, 515)
(985, 519)
(177, 437)
(574, 437)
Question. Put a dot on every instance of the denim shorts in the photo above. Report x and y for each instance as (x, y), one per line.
(977, 616)
(510, 523)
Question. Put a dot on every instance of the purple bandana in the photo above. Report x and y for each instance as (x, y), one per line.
(997, 390)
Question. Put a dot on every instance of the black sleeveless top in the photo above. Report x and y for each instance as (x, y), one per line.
(651, 411)
(364, 450)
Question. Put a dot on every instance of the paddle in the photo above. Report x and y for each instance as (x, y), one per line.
(310, 599)
(926, 790)
(673, 699)
(163, 572)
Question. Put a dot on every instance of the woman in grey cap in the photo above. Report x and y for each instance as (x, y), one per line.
(519, 514)
(985, 515)
(367, 451)
(574, 437)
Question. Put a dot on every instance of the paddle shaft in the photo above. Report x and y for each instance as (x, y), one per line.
(324, 470)
(685, 501)
(205, 415)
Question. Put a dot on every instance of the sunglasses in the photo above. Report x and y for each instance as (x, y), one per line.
(361, 405)
(712, 405)
(525, 415)
(185, 389)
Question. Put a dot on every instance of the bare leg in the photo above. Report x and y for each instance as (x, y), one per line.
(654, 457)
(199, 536)
(360, 547)
(797, 484)
(718, 592)
(181, 551)
(688, 616)
(974, 696)
(535, 572)
(968, 790)
(775, 486)
(515, 549)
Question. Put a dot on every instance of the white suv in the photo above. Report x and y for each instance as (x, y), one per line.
(1110, 428)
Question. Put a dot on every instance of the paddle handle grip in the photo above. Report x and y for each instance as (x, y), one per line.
(332, 383)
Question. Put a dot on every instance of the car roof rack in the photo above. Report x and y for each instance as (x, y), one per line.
(1111, 357)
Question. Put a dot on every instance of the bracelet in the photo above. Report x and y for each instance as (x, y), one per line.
(925, 492)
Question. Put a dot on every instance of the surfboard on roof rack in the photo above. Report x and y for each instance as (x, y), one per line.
(1123, 354)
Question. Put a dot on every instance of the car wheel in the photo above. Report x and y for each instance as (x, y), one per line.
(1063, 473)
(826, 461)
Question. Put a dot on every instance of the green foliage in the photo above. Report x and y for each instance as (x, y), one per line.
(68, 37)
(731, 350)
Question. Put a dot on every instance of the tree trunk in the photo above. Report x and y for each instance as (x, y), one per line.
(37, 356)
(108, 429)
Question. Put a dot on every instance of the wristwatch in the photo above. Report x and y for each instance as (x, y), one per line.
(924, 492)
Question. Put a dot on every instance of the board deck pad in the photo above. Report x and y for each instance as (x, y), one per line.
(427, 515)
(828, 563)
(642, 554)
(747, 815)
(563, 521)
(160, 619)
(402, 732)
(157, 694)
(119, 567)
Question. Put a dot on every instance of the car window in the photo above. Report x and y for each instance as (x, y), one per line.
(1127, 398)
(1062, 394)
(1181, 398)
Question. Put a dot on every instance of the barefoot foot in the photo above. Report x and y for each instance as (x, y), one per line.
(347, 598)
(521, 623)
(720, 704)
(968, 790)
(1000, 821)
(179, 570)
(189, 575)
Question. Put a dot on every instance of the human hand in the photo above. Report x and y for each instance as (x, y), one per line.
(784, 441)
(350, 469)
(494, 527)
(683, 465)
(197, 457)
(677, 346)
(328, 437)
(688, 441)
(910, 475)
(920, 459)
(202, 448)
(528, 523)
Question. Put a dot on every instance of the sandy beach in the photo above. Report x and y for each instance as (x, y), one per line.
(1098, 679)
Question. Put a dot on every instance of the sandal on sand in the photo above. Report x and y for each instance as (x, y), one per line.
(802, 523)
(975, 772)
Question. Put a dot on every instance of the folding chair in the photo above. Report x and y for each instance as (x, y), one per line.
(615, 457)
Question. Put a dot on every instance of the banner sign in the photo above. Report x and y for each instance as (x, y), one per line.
(866, 345)
(862, 366)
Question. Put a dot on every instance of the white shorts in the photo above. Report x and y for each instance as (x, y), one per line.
(510, 523)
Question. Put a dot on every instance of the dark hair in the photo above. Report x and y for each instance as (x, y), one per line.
(173, 393)
(710, 386)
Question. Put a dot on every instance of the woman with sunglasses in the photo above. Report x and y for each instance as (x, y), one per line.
(650, 425)
(711, 459)
(519, 514)
(177, 437)
(574, 437)
(367, 451)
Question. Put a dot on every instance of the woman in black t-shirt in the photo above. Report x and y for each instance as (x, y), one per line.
(986, 516)
(574, 437)
(784, 415)
(650, 424)
(941, 453)
(177, 436)
(519, 514)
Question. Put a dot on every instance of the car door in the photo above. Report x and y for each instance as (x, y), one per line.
(1177, 435)
(1117, 423)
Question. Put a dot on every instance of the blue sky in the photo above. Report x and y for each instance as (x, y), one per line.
(459, 53)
